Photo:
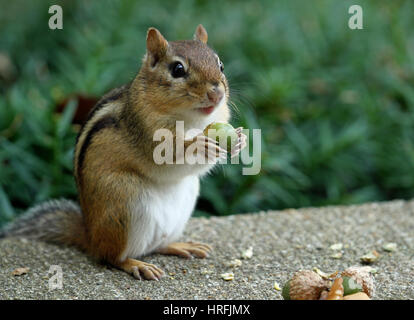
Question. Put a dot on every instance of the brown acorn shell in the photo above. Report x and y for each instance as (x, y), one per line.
(307, 285)
(363, 277)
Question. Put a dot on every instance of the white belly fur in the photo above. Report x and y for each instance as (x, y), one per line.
(158, 216)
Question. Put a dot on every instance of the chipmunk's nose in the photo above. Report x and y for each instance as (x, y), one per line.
(215, 95)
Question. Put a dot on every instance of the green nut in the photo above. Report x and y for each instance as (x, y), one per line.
(286, 291)
(350, 286)
(223, 133)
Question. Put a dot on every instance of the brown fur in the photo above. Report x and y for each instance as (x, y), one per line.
(118, 158)
(113, 155)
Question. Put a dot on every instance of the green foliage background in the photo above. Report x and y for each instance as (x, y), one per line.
(335, 105)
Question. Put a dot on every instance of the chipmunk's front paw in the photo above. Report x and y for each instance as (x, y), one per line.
(240, 144)
(202, 148)
(211, 149)
(187, 249)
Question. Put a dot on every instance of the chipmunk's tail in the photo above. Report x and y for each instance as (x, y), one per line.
(56, 221)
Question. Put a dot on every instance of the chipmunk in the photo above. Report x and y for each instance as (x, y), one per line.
(129, 205)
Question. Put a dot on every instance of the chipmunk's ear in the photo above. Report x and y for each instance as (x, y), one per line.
(156, 45)
(201, 34)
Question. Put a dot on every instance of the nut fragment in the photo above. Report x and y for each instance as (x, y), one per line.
(286, 291)
(337, 255)
(336, 246)
(372, 270)
(247, 254)
(325, 275)
(390, 247)
(324, 295)
(235, 263)
(337, 290)
(20, 271)
(277, 287)
(304, 285)
(350, 285)
(363, 277)
(370, 257)
(206, 271)
(357, 296)
(227, 276)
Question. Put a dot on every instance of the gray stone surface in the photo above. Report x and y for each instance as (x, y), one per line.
(283, 242)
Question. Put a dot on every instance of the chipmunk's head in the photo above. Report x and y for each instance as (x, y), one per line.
(183, 78)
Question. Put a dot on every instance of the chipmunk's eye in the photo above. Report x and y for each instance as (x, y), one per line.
(221, 65)
(177, 70)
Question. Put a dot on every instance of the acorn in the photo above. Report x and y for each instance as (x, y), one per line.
(357, 296)
(362, 278)
(304, 285)
(350, 286)
(336, 292)
(223, 133)
(286, 290)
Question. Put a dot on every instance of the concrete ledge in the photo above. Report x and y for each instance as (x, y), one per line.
(283, 242)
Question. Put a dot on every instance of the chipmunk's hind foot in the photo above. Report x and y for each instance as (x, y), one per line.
(141, 269)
